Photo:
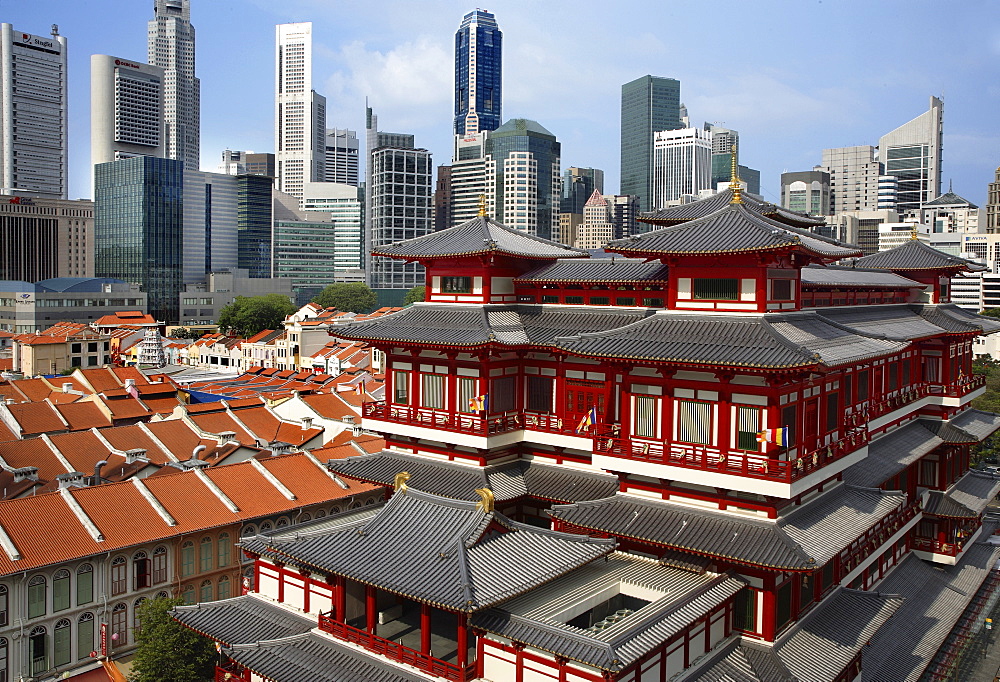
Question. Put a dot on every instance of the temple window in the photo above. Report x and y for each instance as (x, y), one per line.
(625, 301)
(832, 411)
(456, 285)
(574, 300)
(540, 390)
(745, 610)
(401, 387)
(781, 290)
(716, 289)
(644, 416)
(466, 394)
(653, 302)
(432, 391)
(695, 422)
(600, 300)
(747, 427)
(502, 394)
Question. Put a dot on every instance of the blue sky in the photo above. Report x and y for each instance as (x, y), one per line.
(793, 76)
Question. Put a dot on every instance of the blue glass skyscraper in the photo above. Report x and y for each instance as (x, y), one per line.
(478, 73)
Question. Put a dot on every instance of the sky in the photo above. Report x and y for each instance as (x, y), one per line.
(792, 76)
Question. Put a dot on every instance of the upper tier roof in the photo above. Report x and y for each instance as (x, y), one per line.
(734, 228)
(699, 209)
(481, 235)
(950, 199)
(839, 276)
(915, 255)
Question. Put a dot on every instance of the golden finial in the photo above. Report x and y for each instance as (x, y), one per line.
(482, 205)
(734, 182)
(913, 233)
(400, 481)
(485, 503)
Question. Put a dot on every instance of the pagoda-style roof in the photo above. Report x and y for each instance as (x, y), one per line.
(456, 555)
(248, 618)
(773, 341)
(598, 270)
(840, 276)
(906, 322)
(818, 649)
(479, 236)
(892, 453)
(978, 423)
(949, 198)
(674, 215)
(913, 254)
(967, 498)
(732, 229)
(803, 539)
(508, 481)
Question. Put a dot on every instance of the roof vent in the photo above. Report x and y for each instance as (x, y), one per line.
(73, 479)
(67, 387)
(189, 464)
(25, 474)
(226, 436)
(348, 418)
(280, 448)
(307, 423)
(135, 454)
(129, 383)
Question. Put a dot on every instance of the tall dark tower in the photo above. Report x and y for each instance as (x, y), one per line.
(649, 104)
(478, 73)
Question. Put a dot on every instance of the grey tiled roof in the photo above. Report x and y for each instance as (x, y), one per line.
(948, 432)
(775, 340)
(745, 661)
(311, 657)
(967, 498)
(243, 619)
(439, 551)
(891, 453)
(476, 236)
(934, 598)
(978, 423)
(826, 526)
(827, 640)
(949, 316)
(734, 228)
(534, 619)
(701, 208)
(898, 322)
(508, 481)
(597, 270)
(836, 276)
(950, 199)
(913, 254)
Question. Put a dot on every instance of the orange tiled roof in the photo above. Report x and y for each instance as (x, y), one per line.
(221, 422)
(179, 438)
(36, 418)
(329, 405)
(124, 373)
(82, 415)
(133, 437)
(124, 317)
(102, 379)
(124, 407)
(32, 453)
(270, 428)
(33, 389)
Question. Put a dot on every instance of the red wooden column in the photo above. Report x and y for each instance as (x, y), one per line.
(463, 641)
(306, 589)
(425, 629)
(725, 402)
(769, 609)
(370, 609)
(451, 390)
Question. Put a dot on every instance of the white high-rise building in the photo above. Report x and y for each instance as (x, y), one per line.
(468, 176)
(854, 178)
(682, 164)
(171, 47)
(299, 111)
(912, 152)
(126, 109)
(342, 156)
(33, 119)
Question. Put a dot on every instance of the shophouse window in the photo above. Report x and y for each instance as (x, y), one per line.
(84, 584)
(37, 596)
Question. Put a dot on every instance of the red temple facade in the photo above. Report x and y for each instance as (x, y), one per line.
(732, 450)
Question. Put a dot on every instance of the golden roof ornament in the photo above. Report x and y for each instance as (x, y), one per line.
(913, 233)
(399, 483)
(485, 503)
(735, 183)
(482, 205)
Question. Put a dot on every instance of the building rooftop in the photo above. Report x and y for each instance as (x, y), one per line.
(699, 209)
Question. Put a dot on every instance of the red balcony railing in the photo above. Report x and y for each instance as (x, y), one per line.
(733, 462)
(471, 423)
(231, 672)
(900, 399)
(938, 547)
(876, 536)
(396, 652)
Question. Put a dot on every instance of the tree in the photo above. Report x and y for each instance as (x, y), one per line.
(354, 297)
(991, 312)
(248, 315)
(168, 651)
(415, 295)
(186, 333)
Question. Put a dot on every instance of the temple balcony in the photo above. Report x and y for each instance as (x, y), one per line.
(231, 672)
(889, 409)
(395, 650)
(779, 476)
(948, 552)
(863, 551)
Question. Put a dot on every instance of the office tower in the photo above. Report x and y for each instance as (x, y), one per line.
(342, 156)
(854, 174)
(649, 104)
(171, 47)
(912, 152)
(750, 178)
(253, 223)
(41, 238)
(468, 175)
(597, 228)
(252, 163)
(806, 191)
(950, 213)
(578, 184)
(210, 224)
(624, 214)
(126, 109)
(33, 120)
(993, 205)
(723, 141)
(299, 112)
(139, 227)
(343, 203)
(682, 164)
(478, 73)
(442, 199)
(888, 191)
(523, 187)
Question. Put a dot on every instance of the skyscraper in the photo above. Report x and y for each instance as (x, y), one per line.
(33, 122)
(854, 174)
(912, 152)
(649, 104)
(806, 191)
(299, 111)
(682, 164)
(126, 109)
(171, 47)
(342, 156)
(478, 73)
(993, 205)
(523, 187)
(467, 176)
(723, 141)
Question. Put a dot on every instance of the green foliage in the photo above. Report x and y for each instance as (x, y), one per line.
(992, 312)
(353, 297)
(415, 295)
(185, 333)
(989, 401)
(168, 651)
(248, 315)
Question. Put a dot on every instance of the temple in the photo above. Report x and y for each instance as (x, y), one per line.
(734, 450)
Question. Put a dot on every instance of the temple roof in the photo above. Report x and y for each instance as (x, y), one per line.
(913, 254)
(508, 481)
(891, 454)
(481, 235)
(732, 229)
(243, 619)
(597, 270)
(949, 198)
(978, 423)
(906, 322)
(438, 551)
(701, 208)
(967, 498)
(840, 276)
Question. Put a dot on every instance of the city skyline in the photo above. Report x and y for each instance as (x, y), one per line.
(401, 57)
